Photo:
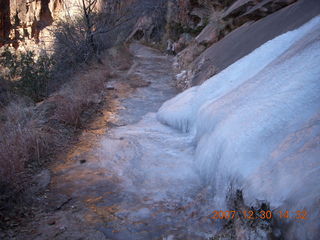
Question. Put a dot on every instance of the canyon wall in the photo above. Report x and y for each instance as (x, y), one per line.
(24, 22)
(27, 22)
(207, 36)
(210, 35)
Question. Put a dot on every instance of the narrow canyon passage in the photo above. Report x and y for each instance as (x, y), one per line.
(138, 180)
(98, 142)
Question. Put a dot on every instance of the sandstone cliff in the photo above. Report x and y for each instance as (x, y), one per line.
(27, 22)
(24, 21)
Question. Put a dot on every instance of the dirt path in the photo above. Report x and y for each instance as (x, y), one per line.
(129, 177)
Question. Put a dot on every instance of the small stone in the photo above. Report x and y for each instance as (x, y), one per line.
(41, 181)
(110, 87)
(62, 228)
(51, 222)
(82, 161)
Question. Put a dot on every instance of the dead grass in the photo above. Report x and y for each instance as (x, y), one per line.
(25, 137)
(87, 88)
(31, 135)
(81, 92)
(22, 139)
(118, 58)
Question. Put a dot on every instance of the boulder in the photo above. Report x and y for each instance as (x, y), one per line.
(184, 40)
(208, 35)
(185, 57)
(41, 181)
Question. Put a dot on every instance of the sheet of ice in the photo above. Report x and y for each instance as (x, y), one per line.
(181, 111)
(152, 159)
(257, 126)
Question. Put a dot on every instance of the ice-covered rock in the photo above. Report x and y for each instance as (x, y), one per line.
(256, 127)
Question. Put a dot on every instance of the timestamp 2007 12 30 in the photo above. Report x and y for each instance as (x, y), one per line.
(261, 214)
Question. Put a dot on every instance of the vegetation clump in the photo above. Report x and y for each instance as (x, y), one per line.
(44, 96)
(30, 74)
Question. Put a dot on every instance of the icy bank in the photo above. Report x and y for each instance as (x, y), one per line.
(257, 126)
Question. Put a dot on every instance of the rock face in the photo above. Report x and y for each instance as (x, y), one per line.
(24, 21)
(4, 20)
(151, 19)
(27, 22)
(229, 31)
(250, 36)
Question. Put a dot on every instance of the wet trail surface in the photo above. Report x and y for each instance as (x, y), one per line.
(136, 180)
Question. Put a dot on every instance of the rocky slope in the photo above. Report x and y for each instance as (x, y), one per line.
(211, 35)
(208, 35)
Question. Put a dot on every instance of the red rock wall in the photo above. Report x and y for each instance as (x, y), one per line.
(215, 47)
(24, 21)
(4, 21)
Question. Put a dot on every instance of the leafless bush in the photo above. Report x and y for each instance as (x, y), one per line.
(25, 139)
(78, 39)
(22, 139)
(78, 95)
(27, 133)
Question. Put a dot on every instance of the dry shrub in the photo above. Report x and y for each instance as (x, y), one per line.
(119, 58)
(81, 92)
(68, 110)
(25, 138)
(21, 140)
(27, 134)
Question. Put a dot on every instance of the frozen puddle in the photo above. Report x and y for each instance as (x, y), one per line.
(153, 159)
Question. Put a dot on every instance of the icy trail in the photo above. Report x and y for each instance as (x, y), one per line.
(154, 163)
(136, 180)
(256, 127)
